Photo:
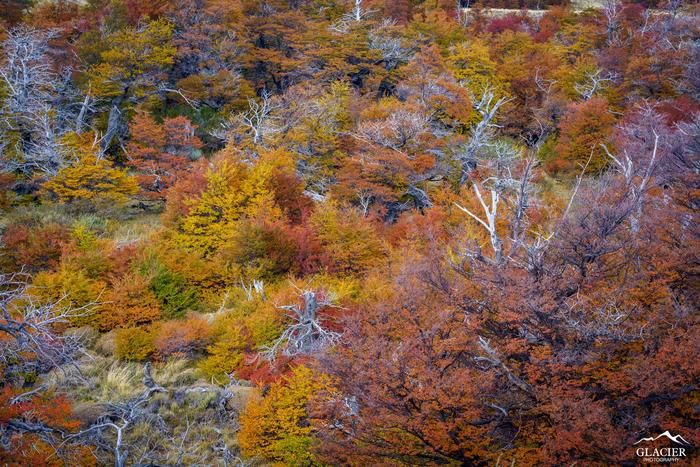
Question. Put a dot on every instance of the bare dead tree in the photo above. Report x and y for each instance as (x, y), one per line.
(594, 82)
(119, 418)
(228, 455)
(521, 203)
(259, 121)
(591, 321)
(31, 344)
(631, 173)
(461, 10)
(306, 334)
(509, 183)
(489, 222)
(394, 51)
(357, 11)
(396, 132)
(612, 11)
(647, 144)
(492, 358)
(546, 86)
(314, 195)
(28, 108)
(686, 157)
(545, 116)
(481, 133)
(357, 14)
(258, 118)
(365, 198)
(256, 287)
(26, 70)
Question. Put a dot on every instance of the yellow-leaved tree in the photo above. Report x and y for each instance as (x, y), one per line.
(235, 191)
(349, 239)
(131, 70)
(92, 181)
(472, 65)
(134, 60)
(276, 427)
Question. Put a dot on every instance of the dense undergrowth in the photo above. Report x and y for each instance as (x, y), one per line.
(346, 233)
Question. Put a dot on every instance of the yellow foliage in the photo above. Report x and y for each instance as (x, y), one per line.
(94, 181)
(133, 53)
(264, 325)
(276, 427)
(87, 252)
(471, 63)
(234, 191)
(69, 288)
(205, 227)
(349, 238)
(79, 145)
(135, 344)
(569, 76)
(226, 353)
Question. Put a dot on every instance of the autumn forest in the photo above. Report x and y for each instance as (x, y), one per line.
(349, 232)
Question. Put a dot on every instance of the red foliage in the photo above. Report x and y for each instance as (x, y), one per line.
(139, 11)
(180, 138)
(294, 249)
(184, 338)
(547, 363)
(424, 227)
(189, 187)
(259, 371)
(679, 109)
(550, 24)
(52, 411)
(160, 153)
(400, 11)
(309, 256)
(508, 23)
(129, 302)
(289, 196)
(122, 259)
(33, 248)
(406, 363)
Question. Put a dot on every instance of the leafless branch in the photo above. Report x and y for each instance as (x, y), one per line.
(306, 334)
(489, 224)
(481, 133)
(118, 418)
(31, 343)
(594, 82)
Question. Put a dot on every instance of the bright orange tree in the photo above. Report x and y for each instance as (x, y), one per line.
(160, 153)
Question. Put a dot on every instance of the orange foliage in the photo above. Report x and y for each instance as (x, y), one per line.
(53, 411)
(160, 153)
(583, 129)
(182, 338)
(129, 302)
(33, 247)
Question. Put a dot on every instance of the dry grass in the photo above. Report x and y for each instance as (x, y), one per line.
(135, 230)
(104, 379)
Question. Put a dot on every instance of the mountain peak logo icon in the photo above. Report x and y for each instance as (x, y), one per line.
(675, 438)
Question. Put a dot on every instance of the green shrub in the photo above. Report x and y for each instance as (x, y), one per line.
(173, 293)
